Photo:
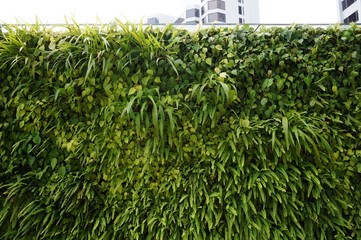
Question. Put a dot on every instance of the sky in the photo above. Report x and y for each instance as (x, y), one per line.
(88, 11)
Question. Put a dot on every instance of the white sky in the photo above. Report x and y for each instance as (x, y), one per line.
(87, 11)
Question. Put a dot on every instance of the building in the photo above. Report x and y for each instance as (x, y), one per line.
(350, 11)
(190, 16)
(215, 11)
(160, 19)
(230, 11)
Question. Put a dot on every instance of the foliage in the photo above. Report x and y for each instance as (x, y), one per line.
(127, 132)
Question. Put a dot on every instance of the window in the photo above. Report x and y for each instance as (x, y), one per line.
(241, 20)
(220, 17)
(241, 1)
(347, 3)
(352, 18)
(194, 12)
(217, 4)
(179, 20)
(153, 20)
(343, 4)
(240, 10)
(202, 11)
(192, 23)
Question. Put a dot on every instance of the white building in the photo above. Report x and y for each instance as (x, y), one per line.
(213, 11)
(350, 11)
(230, 11)
(190, 16)
(160, 19)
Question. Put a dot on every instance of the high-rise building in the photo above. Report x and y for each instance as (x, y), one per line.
(230, 11)
(350, 11)
(216, 11)
(190, 16)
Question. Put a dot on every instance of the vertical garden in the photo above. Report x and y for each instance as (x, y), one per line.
(130, 132)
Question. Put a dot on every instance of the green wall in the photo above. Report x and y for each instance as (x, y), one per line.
(125, 132)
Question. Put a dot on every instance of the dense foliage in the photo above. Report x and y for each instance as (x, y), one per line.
(125, 132)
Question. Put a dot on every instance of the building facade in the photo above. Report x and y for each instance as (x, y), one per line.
(216, 11)
(160, 19)
(190, 16)
(350, 11)
(230, 11)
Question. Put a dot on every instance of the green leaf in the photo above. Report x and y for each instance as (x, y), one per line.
(209, 61)
(322, 87)
(231, 210)
(31, 160)
(252, 93)
(132, 91)
(37, 139)
(52, 45)
(354, 54)
(267, 83)
(126, 71)
(334, 89)
(62, 171)
(285, 131)
(230, 55)
(53, 162)
(279, 83)
(264, 101)
(359, 168)
(157, 80)
(308, 81)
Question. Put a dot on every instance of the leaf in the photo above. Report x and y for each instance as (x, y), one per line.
(308, 81)
(267, 83)
(252, 93)
(132, 91)
(285, 131)
(225, 89)
(37, 139)
(354, 54)
(334, 89)
(126, 71)
(264, 101)
(223, 75)
(231, 210)
(53, 162)
(322, 87)
(244, 123)
(52, 45)
(209, 61)
(62, 171)
(221, 167)
(359, 168)
(157, 80)
(31, 160)
(280, 82)
(57, 91)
